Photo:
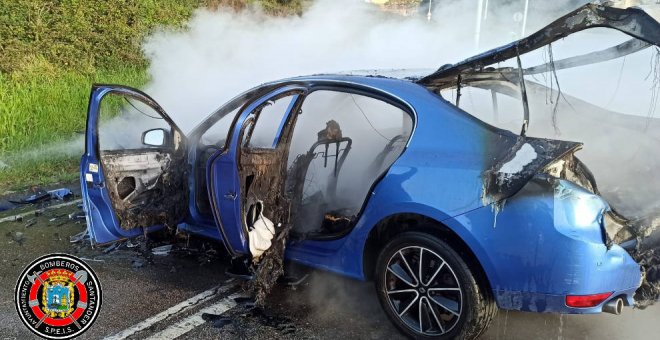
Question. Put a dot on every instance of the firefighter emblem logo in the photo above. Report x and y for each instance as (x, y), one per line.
(58, 296)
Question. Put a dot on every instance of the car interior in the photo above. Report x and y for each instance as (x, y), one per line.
(311, 160)
(307, 175)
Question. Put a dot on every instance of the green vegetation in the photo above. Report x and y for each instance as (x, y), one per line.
(41, 106)
(87, 35)
(40, 112)
(51, 51)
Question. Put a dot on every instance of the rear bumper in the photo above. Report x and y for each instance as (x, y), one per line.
(548, 303)
(545, 243)
(616, 272)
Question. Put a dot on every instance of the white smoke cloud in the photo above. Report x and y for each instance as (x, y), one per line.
(220, 54)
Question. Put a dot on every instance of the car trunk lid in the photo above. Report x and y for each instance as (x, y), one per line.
(515, 164)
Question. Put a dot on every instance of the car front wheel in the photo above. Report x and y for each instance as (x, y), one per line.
(428, 290)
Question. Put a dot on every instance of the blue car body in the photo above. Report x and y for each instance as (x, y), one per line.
(537, 240)
(532, 251)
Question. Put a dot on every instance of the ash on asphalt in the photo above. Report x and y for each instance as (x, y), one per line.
(135, 284)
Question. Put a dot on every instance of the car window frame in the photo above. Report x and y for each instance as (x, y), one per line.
(367, 91)
(297, 96)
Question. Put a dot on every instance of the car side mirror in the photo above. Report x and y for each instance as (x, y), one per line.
(154, 137)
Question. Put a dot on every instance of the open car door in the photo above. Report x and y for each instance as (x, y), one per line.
(248, 178)
(133, 173)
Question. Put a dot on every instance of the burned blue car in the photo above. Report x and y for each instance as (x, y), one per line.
(449, 189)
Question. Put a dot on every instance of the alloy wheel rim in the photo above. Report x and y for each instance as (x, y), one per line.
(423, 291)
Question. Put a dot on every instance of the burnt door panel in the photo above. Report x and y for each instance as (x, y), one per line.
(146, 187)
(251, 169)
(133, 173)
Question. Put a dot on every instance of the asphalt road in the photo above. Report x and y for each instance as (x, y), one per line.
(160, 297)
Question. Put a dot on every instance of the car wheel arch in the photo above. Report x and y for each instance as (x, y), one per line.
(389, 227)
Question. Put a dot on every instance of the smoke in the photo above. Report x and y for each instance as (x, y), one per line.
(610, 106)
(220, 54)
(70, 148)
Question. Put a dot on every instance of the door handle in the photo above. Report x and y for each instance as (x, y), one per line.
(230, 196)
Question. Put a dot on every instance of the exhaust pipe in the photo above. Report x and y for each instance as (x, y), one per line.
(614, 306)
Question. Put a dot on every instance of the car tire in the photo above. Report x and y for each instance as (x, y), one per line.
(450, 302)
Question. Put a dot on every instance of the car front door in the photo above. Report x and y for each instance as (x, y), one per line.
(133, 174)
(252, 169)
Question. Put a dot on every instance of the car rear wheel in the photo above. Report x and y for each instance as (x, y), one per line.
(429, 292)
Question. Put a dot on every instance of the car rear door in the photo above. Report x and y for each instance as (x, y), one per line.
(253, 167)
(133, 172)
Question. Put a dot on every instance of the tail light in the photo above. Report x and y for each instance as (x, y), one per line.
(586, 301)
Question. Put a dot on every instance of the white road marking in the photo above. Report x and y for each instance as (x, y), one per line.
(172, 311)
(31, 212)
(186, 325)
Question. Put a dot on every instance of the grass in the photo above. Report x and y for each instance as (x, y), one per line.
(41, 112)
(36, 172)
(50, 54)
(40, 107)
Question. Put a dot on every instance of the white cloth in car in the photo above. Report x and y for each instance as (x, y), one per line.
(262, 232)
